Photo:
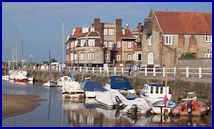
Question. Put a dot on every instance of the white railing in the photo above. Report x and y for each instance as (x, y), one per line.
(187, 72)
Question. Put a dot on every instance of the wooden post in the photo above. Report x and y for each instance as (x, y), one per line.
(115, 70)
(86, 69)
(107, 70)
(122, 70)
(187, 72)
(154, 71)
(200, 72)
(80, 69)
(100, 70)
(174, 72)
(146, 71)
(164, 72)
(92, 69)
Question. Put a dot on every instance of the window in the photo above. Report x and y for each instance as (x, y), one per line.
(91, 42)
(76, 43)
(75, 56)
(107, 57)
(118, 57)
(81, 57)
(105, 44)
(208, 54)
(129, 57)
(208, 38)
(105, 31)
(82, 42)
(150, 41)
(168, 39)
(111, 32)
(110, 44)
(118, 44)
(89, 56)
(92, 56)
(139, 56)
(129, 44)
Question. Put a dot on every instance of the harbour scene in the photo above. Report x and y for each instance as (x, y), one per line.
(155, 73)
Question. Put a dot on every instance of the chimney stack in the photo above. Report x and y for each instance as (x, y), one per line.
(118, 23)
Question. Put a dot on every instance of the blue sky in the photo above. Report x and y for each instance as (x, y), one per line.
(38, 26)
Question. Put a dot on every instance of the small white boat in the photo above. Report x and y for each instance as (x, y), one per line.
(50, 83)
(5, 77)
(154, 92)
(63, 79)
(112, 98)
(72, 90)
(19, 76)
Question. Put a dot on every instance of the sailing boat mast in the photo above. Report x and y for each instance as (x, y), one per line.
(63, 31)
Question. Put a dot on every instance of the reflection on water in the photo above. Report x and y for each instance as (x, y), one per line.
(55, 111)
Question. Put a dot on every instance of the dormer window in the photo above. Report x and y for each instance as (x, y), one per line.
(168, 39)
(208, 38)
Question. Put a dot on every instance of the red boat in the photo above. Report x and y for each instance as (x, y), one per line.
(193, 107)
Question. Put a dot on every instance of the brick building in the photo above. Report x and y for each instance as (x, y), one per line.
(168, 35)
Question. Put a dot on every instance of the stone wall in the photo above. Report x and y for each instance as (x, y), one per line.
(194, 63)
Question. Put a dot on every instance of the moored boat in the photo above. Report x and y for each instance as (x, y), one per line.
(191, 106)
(154, 92)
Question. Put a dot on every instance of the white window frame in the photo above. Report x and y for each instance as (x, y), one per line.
(91, 42)
(92, 56)
(129, 57)
(138, 55)
(118, 57)
(208, 38)
(110, 44)
(118, 44)
(82, 42)
(105, 31)
(81, 56)
(107, 56)
(168, 39)
(129, 44)
(110, 31)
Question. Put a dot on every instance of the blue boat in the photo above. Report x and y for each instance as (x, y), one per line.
(90, 87)
(120, 82)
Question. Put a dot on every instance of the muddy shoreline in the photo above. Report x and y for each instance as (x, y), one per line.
(19, 104)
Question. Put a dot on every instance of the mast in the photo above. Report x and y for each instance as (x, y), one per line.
(63, 31)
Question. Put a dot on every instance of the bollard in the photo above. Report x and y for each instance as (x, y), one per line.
(122, 70)
(100, 70)
(92, 69)
(115, 71)
(146, 71)
(164, 71)
(80, 69)
(187, 72)
(200, 72)
(174, 72)
(154, 71)
(86, 69)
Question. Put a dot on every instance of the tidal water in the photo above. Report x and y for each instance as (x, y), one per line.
(55, 111)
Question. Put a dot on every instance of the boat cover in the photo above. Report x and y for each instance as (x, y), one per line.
(90, 85)
(119, 82)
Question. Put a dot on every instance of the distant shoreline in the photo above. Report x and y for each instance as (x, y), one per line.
(19, 104)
